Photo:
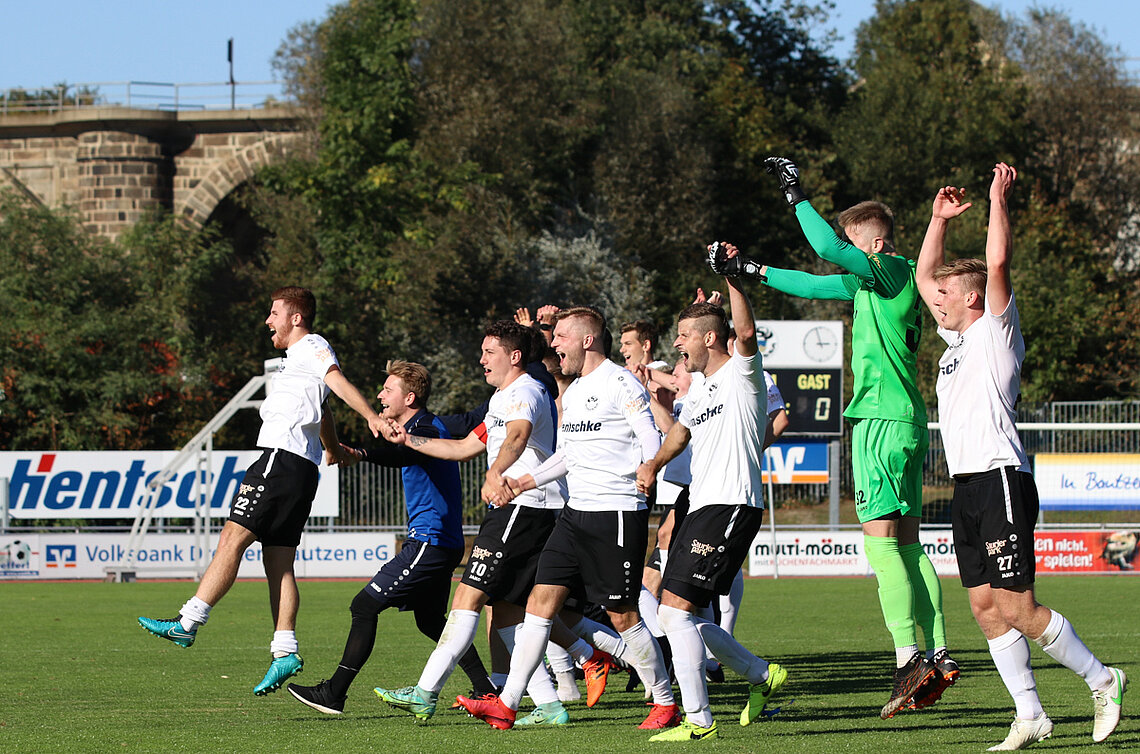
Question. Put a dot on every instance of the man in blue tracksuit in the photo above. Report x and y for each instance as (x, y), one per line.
(419, 577)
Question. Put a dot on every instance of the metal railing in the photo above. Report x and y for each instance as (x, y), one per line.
(144, 95)
(371, 497)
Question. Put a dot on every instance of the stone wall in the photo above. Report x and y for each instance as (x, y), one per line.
(115, 165)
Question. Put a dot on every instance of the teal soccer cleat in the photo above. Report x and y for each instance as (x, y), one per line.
(282, 669)
(170, 629)
(546, 714)
(410, 699)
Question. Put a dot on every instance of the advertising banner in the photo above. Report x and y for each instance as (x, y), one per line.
(821, 553)
(796, 462)
(111, 484)
(1087, 481)
(86, 556)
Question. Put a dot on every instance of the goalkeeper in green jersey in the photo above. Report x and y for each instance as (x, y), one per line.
(889, 434)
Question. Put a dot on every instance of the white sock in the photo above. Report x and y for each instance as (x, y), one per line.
(601, 636)
(1011, 656)
(567, 687)
(903, 654)
(194, 613)
(526, 656)
(1061, 643)
(647, 605)
(688, 663)
(284, 643)
(540, 687)
(458, 633)
(729, 604)
(931, 652)
(562, 660)
(644, 655)
(732, 653)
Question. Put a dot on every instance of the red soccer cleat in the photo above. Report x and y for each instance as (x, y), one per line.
(662, 716)
(491, 710)
(597, 669)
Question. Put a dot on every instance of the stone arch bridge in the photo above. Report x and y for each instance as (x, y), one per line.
(117, 164)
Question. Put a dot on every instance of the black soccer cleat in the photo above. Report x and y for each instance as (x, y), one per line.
(917, 671)
(931, 691)
(319, 697)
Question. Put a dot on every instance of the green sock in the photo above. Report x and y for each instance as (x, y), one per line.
(927, 594)
(895, 594)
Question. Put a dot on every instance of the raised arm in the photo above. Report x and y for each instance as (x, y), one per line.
(348, 393)
(742, 318)
(948, 204)
(820, 235)
(999, 240)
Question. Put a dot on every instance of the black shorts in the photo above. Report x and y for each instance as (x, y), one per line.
(275, 496)
(993, 514)
(504, 556)
(419, 576)
(708, 549)
(597, 555)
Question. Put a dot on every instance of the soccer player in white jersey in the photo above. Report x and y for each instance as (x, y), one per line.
(995, 501)
(724, 423)
(276, 494)
(518, 434)
(728, 605)
(598, 544)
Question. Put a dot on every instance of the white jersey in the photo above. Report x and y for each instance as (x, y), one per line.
(291, 412)
(979, 378)
(598, 442)
(678, 470)
(775, 399)
(727, 418)
(525, 399)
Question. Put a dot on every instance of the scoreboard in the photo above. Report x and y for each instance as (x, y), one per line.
(805, 358)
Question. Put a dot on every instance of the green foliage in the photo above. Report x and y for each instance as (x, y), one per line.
(472, 157)
(106, 345)
(934, 106)
(1082, 111)
(1079, 326)
(60, 95)
(458, 140)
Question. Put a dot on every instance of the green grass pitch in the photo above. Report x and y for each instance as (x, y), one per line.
(79, 675)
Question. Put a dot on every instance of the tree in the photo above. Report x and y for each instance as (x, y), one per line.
(457, 140)
(99, 348)
(1082, 112)
(933, 105)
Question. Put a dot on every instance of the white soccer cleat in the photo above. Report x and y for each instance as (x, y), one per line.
(1106, 705)
(1025, 732)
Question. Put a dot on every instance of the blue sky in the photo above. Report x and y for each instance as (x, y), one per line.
(80, 41)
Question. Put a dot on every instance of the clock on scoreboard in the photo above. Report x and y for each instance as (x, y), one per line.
(805, 358)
